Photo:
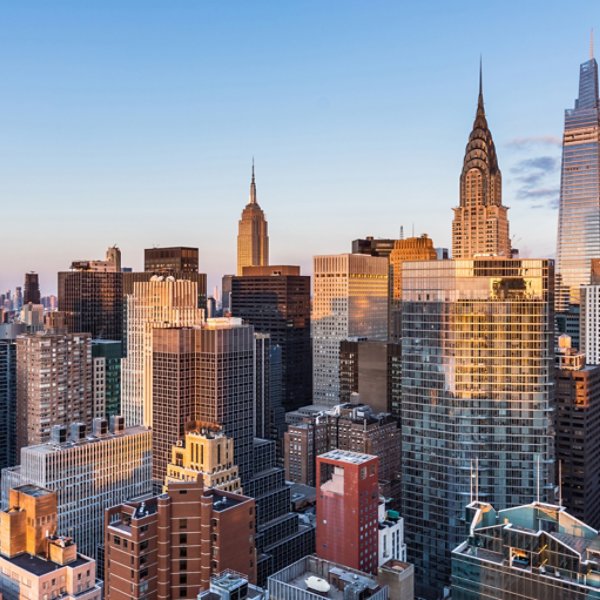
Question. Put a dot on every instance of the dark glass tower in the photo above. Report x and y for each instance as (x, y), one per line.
(32, 289)
(579, 211)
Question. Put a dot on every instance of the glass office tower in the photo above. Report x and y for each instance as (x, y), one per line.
(477, 361)
(579, 214)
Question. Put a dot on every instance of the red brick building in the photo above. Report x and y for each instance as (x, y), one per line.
(347, 502)
(169, 546)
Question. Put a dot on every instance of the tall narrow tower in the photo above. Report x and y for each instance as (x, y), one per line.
(480, 225)
(579, 209)
(253, 239)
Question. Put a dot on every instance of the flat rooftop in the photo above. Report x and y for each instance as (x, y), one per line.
(335, 593)
(221, 503)
(33, 490)
(38, 566)
(355, 458)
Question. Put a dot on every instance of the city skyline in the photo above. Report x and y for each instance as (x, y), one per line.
(91, 136)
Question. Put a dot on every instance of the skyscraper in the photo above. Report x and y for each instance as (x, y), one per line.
(91, 296)
(350, 297)
(276, 300)
(31, 292)
(159, 303)
(579, 209)
(477, 395)
(54, 384)
(480, 226)
(253, 239)
(347, 509)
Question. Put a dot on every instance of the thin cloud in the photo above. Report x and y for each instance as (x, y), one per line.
(536, 177)
(534, 140)
(546, 164)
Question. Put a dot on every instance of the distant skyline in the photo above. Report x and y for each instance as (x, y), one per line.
(135, 123)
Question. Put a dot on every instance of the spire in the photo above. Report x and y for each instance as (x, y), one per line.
(480, 108)
(252, 186)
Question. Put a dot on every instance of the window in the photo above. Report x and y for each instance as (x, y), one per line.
(183, 524)
(183, 538)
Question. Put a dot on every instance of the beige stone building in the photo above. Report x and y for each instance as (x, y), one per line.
(205, 454)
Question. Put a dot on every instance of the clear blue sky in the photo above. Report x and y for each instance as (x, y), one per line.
(135, 122)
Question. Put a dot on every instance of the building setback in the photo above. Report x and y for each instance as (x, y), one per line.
(276, 300)
(347, 507)
(54, 384)
(169, 546)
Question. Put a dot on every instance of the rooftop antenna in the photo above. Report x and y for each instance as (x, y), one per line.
(401, 232)
(592, 43)
(560, 483)
(538, 478)
(471, 482)
(477, 479)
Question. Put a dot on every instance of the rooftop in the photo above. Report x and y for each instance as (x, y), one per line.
(222, 502)
(33, 490)
(39, 566)
(356, 458)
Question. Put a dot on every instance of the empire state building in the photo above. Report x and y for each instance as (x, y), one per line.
(253, 239)
(480, 225)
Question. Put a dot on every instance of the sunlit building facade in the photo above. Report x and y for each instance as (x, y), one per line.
(89, 471)
(579, 209)
(480, 225)
(350, 293)
(253, 238)
(477, 391)
(159, 303)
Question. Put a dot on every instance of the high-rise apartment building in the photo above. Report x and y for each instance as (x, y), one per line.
(170, 546)
(253, 238)
(159, 303)
(276, 300)
(31, 292)
(412, 248)
(164, 261)
(350, 295)
(35, 562)
(480, 225)
(533, 551)
(91, 296)
(347, 507)
(205, 455)
(477, 393)
(54, 384)
(89, 471)
(577, 427)
(106, 377)
(579, 207)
